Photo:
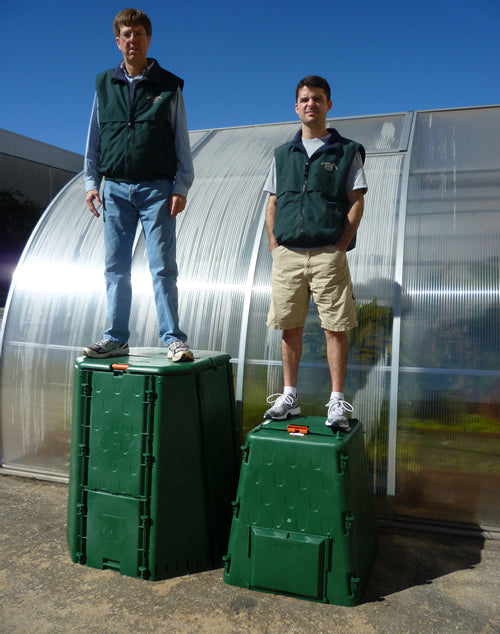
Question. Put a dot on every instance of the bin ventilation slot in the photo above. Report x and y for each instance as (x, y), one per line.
(109, 564)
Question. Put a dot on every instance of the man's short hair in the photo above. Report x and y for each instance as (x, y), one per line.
(313, 81)
(132, 17)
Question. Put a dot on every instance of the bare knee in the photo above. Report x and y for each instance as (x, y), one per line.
(293, 334)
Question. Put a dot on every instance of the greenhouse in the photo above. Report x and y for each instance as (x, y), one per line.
(423, 372)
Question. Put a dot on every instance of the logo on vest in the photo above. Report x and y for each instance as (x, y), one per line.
(329, 166)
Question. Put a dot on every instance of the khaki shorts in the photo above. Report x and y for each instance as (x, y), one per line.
(323, 273)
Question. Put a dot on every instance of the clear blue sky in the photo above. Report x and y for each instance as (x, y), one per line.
(241, 60)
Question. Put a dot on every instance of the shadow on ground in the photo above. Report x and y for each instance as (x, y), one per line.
(407, 559)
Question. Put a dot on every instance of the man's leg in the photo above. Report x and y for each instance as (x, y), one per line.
(153, 202)
(333, 294)
(338, 408)
(336, 352)
(120, 223)
(291, 351)
(289, 305)
(287, 403)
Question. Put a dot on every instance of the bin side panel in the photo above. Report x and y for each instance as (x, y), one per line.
(360, 524)
(78, 468)
(288, 563)
(118, 417)
(218, 429)
(114, 524)
(180, 532)
(292, 483)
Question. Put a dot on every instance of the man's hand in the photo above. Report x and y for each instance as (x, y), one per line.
(177, 204)
(91, 198)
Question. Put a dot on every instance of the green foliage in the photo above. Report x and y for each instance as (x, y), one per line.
(373, 337)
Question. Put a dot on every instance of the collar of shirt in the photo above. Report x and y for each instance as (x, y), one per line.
(129, 77)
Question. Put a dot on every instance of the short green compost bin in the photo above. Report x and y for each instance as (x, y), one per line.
(153, 466)
(303, 520)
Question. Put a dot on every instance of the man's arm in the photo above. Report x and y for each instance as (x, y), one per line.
(91, 172)
(354, 215)
(185, 171)
(270, 218)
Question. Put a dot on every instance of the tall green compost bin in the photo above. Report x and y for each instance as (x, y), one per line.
(153, 466)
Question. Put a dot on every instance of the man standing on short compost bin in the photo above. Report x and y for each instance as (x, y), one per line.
(316, 189)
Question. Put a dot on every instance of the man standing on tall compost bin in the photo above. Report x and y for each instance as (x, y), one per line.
(138, 141)
(316, 188)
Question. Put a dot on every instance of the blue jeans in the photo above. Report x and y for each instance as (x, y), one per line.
(124, 205)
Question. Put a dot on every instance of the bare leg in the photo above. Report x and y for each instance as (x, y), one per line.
(291, 350)
(336, 352)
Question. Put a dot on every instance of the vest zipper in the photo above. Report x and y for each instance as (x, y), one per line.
(131, 99)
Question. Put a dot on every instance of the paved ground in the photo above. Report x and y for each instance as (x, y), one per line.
(422, 582)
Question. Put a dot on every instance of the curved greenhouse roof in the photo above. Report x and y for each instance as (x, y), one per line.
(423, 371)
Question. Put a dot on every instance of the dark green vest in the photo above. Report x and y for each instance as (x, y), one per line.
(311, 192)
(136, 141)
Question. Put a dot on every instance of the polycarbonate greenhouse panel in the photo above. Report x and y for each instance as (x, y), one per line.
(448, 460)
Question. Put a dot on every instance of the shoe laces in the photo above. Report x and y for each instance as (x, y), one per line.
(177, 345)
(338, 406)
(104, 342)
(280, 398)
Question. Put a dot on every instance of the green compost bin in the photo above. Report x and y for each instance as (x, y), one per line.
(153, 465)
(303, 520)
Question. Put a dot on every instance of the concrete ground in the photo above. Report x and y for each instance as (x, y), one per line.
(422, 582)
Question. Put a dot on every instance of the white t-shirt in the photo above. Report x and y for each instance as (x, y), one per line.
(355, 180)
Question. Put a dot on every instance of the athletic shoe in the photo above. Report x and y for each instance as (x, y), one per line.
(106, 348)
(285, 405)
(178, 351)
(337, 418)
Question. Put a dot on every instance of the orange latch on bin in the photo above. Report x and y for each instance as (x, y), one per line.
(298, 429)
(120, 366)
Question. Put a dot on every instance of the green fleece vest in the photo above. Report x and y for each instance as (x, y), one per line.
(136, 140)
(311, 192)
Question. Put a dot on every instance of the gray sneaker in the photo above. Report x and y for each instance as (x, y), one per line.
(284, 405)
(337, 414)
(178, 351)
(106, 348)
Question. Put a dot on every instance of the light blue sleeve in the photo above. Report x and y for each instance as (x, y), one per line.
(90, 170)
(185, 171)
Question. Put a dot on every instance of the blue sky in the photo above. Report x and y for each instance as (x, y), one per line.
(241, 60)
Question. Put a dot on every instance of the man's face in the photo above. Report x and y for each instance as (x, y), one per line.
(312, 106)
(134, 44)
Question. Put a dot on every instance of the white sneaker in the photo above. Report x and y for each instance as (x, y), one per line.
(178, 351)
(105, 349)
(285, 405)
(337, 418)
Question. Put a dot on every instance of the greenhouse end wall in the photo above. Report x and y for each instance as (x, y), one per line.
(423, 371)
